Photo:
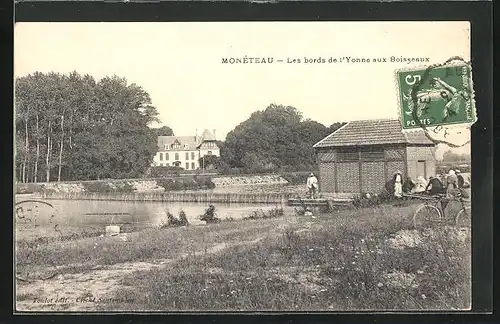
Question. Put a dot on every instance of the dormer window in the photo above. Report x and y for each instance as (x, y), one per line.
(186, 146)
(165, 147)
(176, 144)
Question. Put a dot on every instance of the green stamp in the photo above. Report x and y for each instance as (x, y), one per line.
(436, 96)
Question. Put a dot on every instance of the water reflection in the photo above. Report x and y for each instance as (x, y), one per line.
(81, 212)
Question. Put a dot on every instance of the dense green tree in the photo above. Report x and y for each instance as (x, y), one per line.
(81, 128)
(277, 137)
(209, 162)
(163, 131)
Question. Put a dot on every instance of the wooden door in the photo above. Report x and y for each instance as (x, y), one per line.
(421, 169)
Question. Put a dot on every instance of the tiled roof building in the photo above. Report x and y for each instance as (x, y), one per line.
(185, 151)
(361, 156)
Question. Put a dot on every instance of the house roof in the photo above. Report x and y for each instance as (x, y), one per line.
(372, 132)
(192, 141)
(207, 136)
(169, 140)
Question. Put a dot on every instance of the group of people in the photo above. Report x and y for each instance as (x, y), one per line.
(449, 184)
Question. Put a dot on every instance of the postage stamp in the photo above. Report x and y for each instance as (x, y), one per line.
(436, 96)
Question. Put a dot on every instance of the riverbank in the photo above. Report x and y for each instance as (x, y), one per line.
(182, 183)
(355, 259)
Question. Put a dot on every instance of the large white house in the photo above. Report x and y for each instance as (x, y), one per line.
(185, 151)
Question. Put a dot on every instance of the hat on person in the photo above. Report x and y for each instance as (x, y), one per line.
(451, 172)
(311, 174)
(457, 171)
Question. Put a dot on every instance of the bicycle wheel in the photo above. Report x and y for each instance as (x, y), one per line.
(426, 216)
(463, 218)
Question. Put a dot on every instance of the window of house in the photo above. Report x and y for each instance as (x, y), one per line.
(209, 153)
(192, 155)
(187, 155)
(177, 156)
(161, 164)
(187, 165)
(166, 164)
(166, 156)
(161, 156)
(192, 165)
(165, 147)
(347, 155)
(186, 146)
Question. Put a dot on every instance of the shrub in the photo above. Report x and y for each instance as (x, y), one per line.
(172, 221)
(124, 187)
(166, 183)
(207, 183)
(183, 219)
(210, 215)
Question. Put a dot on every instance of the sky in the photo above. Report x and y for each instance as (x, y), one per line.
(180, 64)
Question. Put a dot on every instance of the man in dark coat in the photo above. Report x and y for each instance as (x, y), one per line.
(408, 185)
(435, 186)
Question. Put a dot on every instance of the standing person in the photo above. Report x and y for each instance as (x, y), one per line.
(398, 184)
(312, 185)
(460, 179)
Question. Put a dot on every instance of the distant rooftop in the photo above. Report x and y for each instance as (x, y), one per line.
(192, 142)
(372, 132)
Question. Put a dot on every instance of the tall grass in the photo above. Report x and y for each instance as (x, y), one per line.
(353, 263)
(364, 258)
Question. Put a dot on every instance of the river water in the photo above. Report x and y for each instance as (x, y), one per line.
(97, 212)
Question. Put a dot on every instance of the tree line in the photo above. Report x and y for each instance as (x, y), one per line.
(74, 127)
(276, 138)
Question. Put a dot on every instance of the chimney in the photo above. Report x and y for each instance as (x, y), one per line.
(196, 136)
(214, 134)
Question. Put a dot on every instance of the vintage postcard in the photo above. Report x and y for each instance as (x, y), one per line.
(243, 166)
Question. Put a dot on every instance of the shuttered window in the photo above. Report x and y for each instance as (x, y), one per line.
(394, 154)
(326, 157)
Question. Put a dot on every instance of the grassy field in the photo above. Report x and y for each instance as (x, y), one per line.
(349, 260)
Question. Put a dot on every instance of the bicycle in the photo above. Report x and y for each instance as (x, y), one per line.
(432, 211)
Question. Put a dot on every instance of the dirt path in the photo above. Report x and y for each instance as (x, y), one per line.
(80, 291)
